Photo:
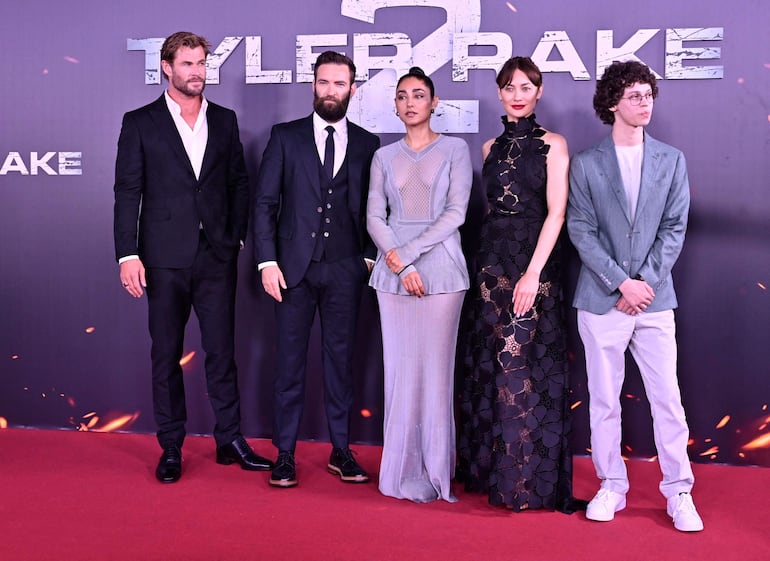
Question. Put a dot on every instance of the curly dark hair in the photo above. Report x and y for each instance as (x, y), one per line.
(613, 83)
(419, 73)
(523, 63)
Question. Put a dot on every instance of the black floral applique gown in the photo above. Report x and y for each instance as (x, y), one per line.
(513, 439)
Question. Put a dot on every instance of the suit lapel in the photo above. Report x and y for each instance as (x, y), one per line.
(610, 168)
(164, 124)
(650, 164)
(354, 150)
(215, 135)
(355, 161)
(307, 153)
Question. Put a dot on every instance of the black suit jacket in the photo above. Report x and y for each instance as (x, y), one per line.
(159, 205)
(286, 218)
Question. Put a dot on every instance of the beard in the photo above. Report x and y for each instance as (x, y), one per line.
(331, 109)
(191, 88)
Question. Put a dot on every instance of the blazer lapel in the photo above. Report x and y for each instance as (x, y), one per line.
(307, 153)
(355, 161)
(216, 133)
(164, 123)
(650, 164)
(611, 170)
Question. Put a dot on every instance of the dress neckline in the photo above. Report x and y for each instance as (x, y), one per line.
(422, 150)
(522, 126)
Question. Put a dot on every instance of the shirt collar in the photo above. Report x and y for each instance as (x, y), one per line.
(176, 109)
(319, 125)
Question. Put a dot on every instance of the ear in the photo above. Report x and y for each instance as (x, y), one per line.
(539, 91)
(166, 67)
(434, 103)
(352, 89)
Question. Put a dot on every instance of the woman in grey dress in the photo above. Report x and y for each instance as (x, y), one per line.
(418, 196)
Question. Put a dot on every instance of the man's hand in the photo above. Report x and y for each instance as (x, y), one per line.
(273, 282)
(132, 277)
(636, 296)
(622, 305)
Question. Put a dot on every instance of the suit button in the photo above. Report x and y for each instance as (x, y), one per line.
(328, 220)
(330, 191)
(319, 210)
(625, 263)
(329, 205)
(326, 234)
(312, 234)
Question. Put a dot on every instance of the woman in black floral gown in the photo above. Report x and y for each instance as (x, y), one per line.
(513, 440)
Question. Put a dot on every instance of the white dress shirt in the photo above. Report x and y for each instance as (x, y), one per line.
(195, 138)
(340, 139)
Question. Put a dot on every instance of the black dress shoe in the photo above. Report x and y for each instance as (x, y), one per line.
(239, 451)
(343, 464)
(285, 472)
(169, 468)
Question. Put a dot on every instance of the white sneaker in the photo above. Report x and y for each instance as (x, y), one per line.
(604, 505)
(681, 508)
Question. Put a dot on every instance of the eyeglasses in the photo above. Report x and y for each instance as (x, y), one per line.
(636, 98)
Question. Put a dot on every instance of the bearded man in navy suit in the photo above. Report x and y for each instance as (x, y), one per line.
(181, 213)
(310, 244)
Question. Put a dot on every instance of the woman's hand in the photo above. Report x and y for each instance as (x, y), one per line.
(524, 293)
(393, 261)
(413, 284)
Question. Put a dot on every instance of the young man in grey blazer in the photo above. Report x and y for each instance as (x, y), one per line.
(627, 216)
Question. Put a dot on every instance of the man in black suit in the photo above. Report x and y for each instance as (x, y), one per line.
(181, 212)
(310, 246)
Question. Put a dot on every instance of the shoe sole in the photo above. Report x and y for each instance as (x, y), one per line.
(283, 483)
(334, 470)
(618, 508)
(690, 529)
(228, 461)
(168, 481)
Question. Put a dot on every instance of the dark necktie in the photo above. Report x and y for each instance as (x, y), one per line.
(329, 153)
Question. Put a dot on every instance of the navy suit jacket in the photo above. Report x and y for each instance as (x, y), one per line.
(611, 247)
(160, 205)
(286, 218)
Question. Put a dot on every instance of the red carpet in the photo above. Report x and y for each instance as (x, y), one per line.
(87, 496)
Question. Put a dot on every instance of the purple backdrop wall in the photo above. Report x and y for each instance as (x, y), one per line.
(74, 349)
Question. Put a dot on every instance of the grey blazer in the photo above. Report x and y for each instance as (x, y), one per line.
(613, 249)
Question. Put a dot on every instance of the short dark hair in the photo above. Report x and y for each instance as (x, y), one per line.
(182, 39)
(613, 83)
(333, 57)
(523, 63)
(419, 73)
